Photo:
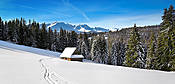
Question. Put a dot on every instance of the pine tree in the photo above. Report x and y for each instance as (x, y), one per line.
(5, 31)
(37, 35)
(84, 45)
(55, 39)
(84, 50)
(86, 40)
(99, 51)
(69, 39)
(151, 53)
(50, 38)
(14, 32)
(20, 31)
(15, 36)
(79, 42)
(135, 54)
(33, 34)
(10, 30)
(166, 40)
(1, 29)
(118, 53)
(62, 40)
(43, 37)
(73, 39)
(26, 30)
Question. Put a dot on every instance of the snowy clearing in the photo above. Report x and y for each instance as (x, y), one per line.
(26, 65)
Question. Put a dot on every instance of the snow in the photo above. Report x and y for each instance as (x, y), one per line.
(51, 25)
(77, 28)
(90, 73)
(77, 56)
(27, 65)
(19, 67)
(68, 51)
(84, 30)
(30, 49)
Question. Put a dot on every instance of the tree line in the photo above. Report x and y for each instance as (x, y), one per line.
(35, 35)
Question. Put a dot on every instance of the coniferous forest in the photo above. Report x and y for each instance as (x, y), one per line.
(158, 53)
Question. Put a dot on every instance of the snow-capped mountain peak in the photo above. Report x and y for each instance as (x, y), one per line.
(76, 28)
(51, 25)
(83, 30)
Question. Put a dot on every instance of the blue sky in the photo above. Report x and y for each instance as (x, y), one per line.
(102, 13)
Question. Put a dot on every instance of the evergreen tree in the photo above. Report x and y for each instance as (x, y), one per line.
(99, 51)
(14, 32)
(43, 37)
(20, 31)
(10, 30)
(135, 54)
(15, 36)
(118, 53)
(73, 39)
(84, 51)
(79, 42)
(55, 41)
(37, 34)
(86, 40)
(50, 38)
(62, 40)
(26, 30)
(5, 31)
(166, 41)
(69, 39)
(151, 53)
(1, 29)
(33, 34)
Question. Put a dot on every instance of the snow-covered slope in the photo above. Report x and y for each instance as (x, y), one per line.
(27, 65)
(77, 28)
(21, 64)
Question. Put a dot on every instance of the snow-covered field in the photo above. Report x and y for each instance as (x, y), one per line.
(26, 65)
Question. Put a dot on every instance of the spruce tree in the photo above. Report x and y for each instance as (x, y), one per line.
(166, 40)
(33, 34)
(118, 53)
(62, 39)
(99, 51)
(37, 34)
(151, 53)
(43, 37)
(20, 27)
(73, 40)
(55, 39)
(14, 32)
(135, 54)
(5, 31)
(50, 38)
(84, 50)
(1, 29)
(10, 30)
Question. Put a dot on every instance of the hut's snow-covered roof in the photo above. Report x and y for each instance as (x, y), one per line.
(77, 56)
(67, 53)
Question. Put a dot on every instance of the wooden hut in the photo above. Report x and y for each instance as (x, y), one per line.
(67, 55)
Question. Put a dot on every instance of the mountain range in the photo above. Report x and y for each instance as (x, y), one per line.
(76, 28)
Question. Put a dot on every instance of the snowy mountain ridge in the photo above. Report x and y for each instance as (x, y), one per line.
(76, 28)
